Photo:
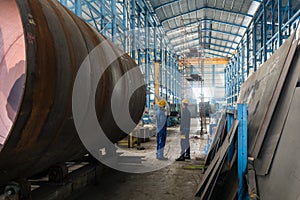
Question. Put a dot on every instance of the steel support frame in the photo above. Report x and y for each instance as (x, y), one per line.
(242, 151)
(270, 26)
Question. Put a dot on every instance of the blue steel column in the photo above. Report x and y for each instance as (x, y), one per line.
(63, 2)
(133, 45)
(78, 8)
(114, 21)
(169, 74)
(147, 32)
(290, 9)
(173, 79)
(138, 37)
(273, 23)
(161, 64)
(166, 74)
(125, 25)
(265, 32)
(248, 53)
(254, 45)
(226, 86)
(243, 63)
(279, 22)
(102, 9)
(155, 43)
(238, 73)
(242, 149)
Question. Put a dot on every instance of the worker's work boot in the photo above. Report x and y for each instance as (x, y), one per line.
(181, 158)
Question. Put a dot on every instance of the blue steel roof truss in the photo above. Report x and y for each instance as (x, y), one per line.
(208, 38)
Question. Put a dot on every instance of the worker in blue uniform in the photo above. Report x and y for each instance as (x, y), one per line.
(185, 125)
(161, 130)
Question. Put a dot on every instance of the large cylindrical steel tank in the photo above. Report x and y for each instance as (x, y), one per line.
(42, 45)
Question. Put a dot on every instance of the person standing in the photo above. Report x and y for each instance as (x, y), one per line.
(161, 130)
(185, 131)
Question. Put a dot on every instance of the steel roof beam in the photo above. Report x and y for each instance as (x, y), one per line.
(213, 54)
(165, 4)
(219, 39)
(205, 30)
(205, 43)
(205, 7)
(213, 20)
(219, 51)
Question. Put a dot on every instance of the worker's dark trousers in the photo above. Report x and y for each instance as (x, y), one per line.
(161, 142)
(185, 144)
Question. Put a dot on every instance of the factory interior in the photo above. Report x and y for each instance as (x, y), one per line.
(149, 99)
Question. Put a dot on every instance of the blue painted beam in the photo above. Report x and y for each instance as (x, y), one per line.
(218, 39)
(211, 44)
(78, 8)
(205, 30)
(242, 149)
(63, 2)
(205, 7)
(132, 26)
(209, 20)
(223, 52)
(114, 23)
(280, 22)
(165, 4)
(102, 9)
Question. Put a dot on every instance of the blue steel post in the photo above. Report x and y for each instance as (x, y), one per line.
(279, 12)
(132, 26)
(290, 9)
(237, 84)
(226, 86)
(273, 23)
(242, 149)
(169, 74)
(239, 78)
(161, 64)
(125, 25)
(243, 63)
(248, 53)
(78, 8)
(114, 21)
(138, 37)
(265, 32)
(230, 118)
(254, 45)
(155, 43)
(147, 70)
(103, 14)
(173, 79)
(166, 74)
(63, 2)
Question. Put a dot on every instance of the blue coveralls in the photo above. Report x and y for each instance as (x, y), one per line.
(161, 132)
(185, 130)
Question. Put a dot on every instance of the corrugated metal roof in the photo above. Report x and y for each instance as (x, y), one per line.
(221, 23)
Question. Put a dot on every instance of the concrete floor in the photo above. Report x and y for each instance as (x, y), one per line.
(178, 180)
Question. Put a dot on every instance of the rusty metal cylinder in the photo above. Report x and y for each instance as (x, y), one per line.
(42, 45)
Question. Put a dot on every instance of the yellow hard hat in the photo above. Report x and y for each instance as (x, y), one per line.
(185, 101)
(162, 103)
